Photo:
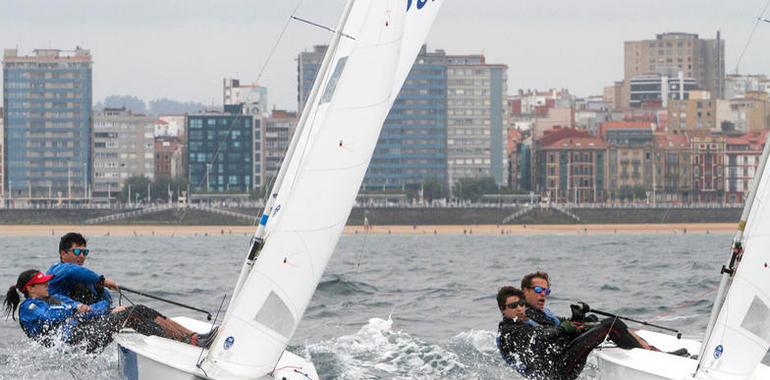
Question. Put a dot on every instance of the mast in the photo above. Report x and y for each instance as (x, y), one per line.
(730, 270)
(258, 240)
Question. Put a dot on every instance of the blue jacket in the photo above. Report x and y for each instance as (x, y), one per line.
(68, 276)
(543, 317)
(41, 320)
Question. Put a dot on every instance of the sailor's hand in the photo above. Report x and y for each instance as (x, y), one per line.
(83, 308)
(568, 327)
(581, 327)
(110, 283)
(118, 309)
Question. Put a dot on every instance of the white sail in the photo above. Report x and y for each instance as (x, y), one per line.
(740, 338)
(315, 199)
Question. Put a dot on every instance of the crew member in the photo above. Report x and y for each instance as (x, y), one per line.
(72, 279)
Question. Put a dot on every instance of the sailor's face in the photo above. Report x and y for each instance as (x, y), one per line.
(70, 257)
(534, 299)
(38, 290)
(517, 311)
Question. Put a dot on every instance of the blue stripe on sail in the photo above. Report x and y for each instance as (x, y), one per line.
(263, 221)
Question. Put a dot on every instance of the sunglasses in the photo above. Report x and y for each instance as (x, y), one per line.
(516, 304)
(541, 290)
(80, 251)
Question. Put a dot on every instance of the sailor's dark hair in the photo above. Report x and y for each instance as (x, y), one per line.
(526, 282)
(505, 292)
(12, 299)
(68, 240)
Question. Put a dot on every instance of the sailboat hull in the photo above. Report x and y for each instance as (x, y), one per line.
(638, 364)
(149, 357)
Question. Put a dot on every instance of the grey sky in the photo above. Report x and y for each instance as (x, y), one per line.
(181, 49)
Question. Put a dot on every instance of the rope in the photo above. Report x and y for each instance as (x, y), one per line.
(199, 362)
(278, 41)
(131, 308)
(751, 36)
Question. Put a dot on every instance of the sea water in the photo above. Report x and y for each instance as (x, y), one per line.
(391, 306)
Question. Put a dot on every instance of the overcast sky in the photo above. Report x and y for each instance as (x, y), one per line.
(181, 49)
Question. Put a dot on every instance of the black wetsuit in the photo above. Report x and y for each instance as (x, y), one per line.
(98, 333)
(548, 352)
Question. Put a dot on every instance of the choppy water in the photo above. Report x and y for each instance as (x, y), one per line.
(416, 306)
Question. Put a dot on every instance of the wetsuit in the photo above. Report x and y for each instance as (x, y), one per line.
(78, 283)
(548, 351)
(56, 318)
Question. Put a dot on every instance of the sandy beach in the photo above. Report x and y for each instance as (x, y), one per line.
(174, 230)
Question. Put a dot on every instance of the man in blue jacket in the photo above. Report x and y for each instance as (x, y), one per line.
(72, 279)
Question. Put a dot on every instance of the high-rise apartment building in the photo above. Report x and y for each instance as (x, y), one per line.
(476, 109)
(277, 131)
(446, 124)
(308, 64)
(670, 53)
(124, 147)
(47, 101)
(219, 152)
(412, 148)
(251, 96)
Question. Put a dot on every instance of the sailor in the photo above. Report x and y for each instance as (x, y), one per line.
(72, 279)
(543, 346)
(47, 318)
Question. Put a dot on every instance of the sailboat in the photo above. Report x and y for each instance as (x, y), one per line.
(368, 59)
(737, 337)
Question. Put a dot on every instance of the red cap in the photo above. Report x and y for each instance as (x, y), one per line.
(38, 278)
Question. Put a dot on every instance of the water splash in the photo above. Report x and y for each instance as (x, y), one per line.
(377, 351)
(25, 359)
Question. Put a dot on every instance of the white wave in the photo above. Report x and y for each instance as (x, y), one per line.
(377, 351)
(482, 341)
(26, 359)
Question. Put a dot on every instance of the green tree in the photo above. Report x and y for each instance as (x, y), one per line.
(161, 185)
(434, 189)
(473, 188)
(158, 188)
(138, 186)
(636, 193)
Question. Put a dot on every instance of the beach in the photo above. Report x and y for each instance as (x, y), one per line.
(487, 229)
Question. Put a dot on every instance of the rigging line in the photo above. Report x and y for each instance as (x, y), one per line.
(751, 35)
(322, 26)
(278, 41)
(200, 360)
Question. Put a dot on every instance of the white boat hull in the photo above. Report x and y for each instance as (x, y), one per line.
(638, 364)
(149, 357)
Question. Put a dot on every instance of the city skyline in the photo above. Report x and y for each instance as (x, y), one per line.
(184, 49)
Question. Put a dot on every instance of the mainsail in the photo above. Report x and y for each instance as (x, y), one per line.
(342, 123)
(740, 335)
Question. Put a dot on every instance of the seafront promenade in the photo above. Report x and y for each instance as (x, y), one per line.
(385, 215)
(487, 229)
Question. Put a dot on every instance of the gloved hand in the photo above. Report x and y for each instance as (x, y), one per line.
(568, 327)
(579, 311)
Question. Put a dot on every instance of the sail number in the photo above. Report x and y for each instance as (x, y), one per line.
(420, 4)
